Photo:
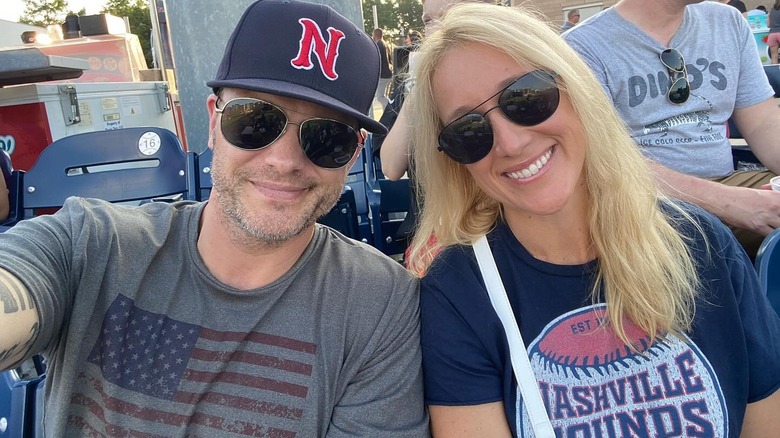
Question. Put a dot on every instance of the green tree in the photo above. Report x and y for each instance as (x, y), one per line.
(395, 17)
(137, 13)
(44, 12)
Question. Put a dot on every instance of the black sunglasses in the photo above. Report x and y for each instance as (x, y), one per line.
(680, 89)
(253, 124)
(528, 101)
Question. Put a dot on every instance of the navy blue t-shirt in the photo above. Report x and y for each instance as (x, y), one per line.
(591, 383)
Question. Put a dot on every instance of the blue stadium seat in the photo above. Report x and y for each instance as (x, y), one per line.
(390, 202)
(343, 216)
(356, 180)
(21, 405)
(131, 164)
(199, 175)
(768, 268)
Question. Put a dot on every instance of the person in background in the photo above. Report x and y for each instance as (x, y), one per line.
(773, 39)
(643, 315)
(761, 8)
(572, 18)
(739, 4)
(386, 73)
(396, 146)
(413, 38)
(240, 316)
(676, 91)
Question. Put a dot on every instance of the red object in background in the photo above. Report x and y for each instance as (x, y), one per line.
(25, 132)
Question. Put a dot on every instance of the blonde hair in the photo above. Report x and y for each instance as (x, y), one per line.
(645, 267)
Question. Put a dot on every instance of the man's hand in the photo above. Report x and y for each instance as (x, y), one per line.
(756, 210)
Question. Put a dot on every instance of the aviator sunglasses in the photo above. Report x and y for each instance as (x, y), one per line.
(253, 124)
(528, 101)
(680, 89)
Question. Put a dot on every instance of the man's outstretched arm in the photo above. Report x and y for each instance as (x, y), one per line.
(19, 323)
(751, 209)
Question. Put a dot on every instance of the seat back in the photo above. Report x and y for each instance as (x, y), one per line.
(199, 175)
(356, 180)
(129, 164)
(768, 268)
(343, 216)
(390, 204)
(21, 405)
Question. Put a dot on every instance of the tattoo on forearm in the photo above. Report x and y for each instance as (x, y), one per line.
(22, 349)
(12, 294)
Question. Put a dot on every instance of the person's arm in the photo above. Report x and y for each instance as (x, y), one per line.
(18, 320)
(469, 421)
(395, 150)
(761, 418)
(5, 206)
(750, 209)
(760, 126)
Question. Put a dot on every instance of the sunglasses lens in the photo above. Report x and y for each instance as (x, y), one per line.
(328, 143)
(467, 139)
(251, 124)
(673, 60)
(530, 100)
(679, 91)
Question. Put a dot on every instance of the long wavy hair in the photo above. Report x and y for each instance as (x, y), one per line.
(644, 265)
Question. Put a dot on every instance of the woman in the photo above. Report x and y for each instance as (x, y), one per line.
(773, 40)
(642, 316)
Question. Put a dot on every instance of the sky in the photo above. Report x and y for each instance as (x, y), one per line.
(13, 9)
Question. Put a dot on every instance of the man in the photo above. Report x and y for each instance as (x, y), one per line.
(676, 88)
(386, 73)
(239, 316)
(572, 18)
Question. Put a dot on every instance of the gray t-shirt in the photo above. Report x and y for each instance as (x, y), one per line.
(724, 71)
(142, 338)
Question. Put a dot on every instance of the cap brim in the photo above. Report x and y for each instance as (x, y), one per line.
(296, 91)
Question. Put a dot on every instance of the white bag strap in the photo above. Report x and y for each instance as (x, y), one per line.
(532, 398)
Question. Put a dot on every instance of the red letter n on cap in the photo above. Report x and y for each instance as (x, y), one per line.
(313, 41)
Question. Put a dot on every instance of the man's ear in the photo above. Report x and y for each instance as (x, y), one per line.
(211, 104)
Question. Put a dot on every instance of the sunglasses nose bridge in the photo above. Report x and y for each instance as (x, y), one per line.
(286, 151)
(509, 138)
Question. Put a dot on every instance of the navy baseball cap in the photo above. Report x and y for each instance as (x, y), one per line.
(305, 51)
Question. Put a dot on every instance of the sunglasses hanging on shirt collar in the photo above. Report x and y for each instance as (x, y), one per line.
(680, 88)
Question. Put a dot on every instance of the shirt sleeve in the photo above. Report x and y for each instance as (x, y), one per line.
(753, 86)
(385, 397)
(462, 351)
(760, 323)
(580, 39)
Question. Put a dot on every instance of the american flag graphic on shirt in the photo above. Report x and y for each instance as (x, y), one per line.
(231, 383)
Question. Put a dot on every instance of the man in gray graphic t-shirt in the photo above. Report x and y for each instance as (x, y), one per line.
(676, 86)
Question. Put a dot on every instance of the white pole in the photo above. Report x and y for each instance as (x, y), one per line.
(376, 19)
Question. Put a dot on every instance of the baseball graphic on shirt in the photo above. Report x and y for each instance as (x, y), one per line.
(596, 386)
